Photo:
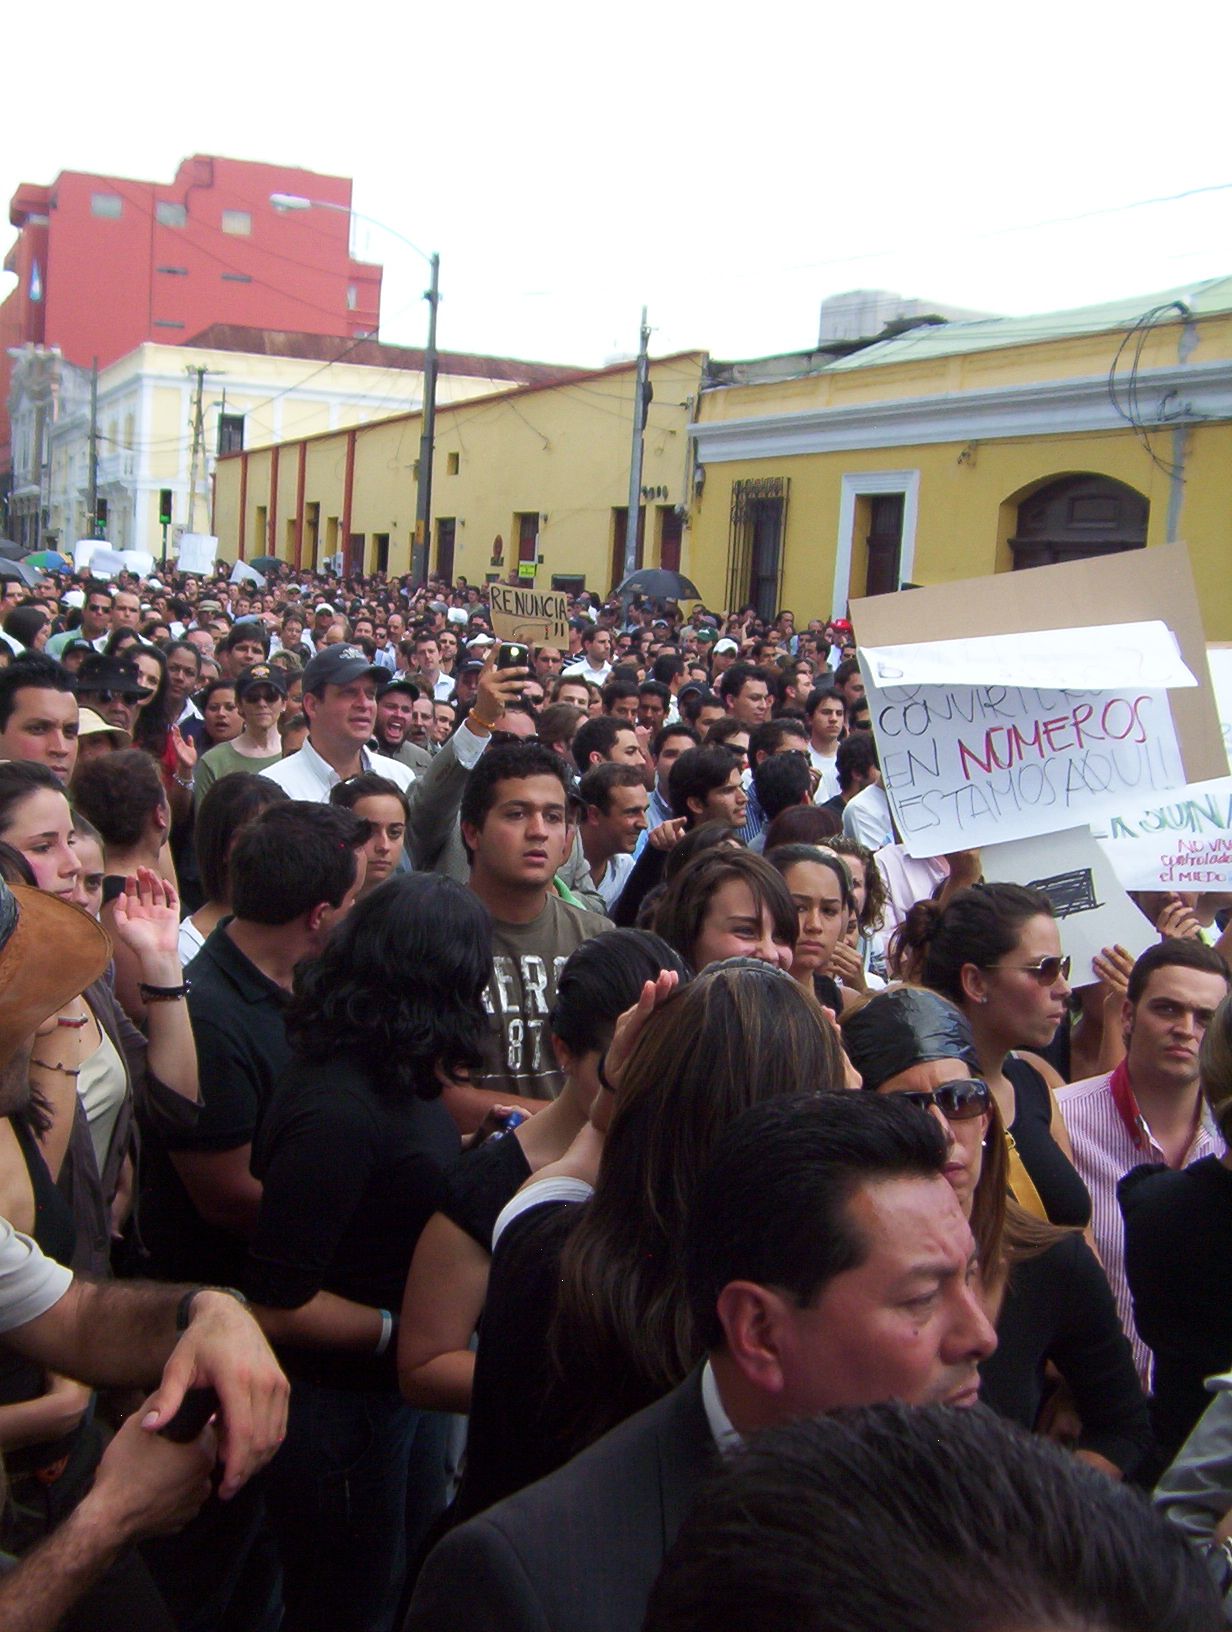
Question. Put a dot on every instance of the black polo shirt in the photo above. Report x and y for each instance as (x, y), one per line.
(237, 1018)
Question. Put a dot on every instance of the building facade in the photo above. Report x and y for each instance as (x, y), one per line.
(104, 263)
(254, 386)
(961, 449)
(532, 481)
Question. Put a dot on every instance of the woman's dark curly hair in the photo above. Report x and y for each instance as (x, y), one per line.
(399, 986)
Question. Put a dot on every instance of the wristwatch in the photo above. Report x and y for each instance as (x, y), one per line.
(183, 1309)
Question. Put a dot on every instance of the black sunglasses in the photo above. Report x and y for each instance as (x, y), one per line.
(957, 1101)
(108, 696)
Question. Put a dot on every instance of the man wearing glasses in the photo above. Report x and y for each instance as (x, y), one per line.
(1150, 1109)
(112, 688)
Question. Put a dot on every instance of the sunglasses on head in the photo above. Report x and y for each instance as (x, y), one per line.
(1045, 970)
(957, 1101)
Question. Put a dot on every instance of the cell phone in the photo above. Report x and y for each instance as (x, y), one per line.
(512, 655)
(196, 1409)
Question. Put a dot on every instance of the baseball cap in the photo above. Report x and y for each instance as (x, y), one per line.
(725, 645)
(707, 634)
(338, 666)
(457, 614)
(399, 682)
(261, 674)
(473, 665)
(324, 606)
(480, 640)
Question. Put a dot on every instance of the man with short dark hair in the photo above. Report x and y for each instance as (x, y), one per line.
(848, 681)
(620, 700)
(547, 663)
(606, 739)
(1151, 1108)
(427, 661)
(654, 704)
(922, 1519)
(666, 747)
(615, 799)
(704, 785)
(246, 645)
(95, 622)
(778, 736)
(827, 1264)
(746, 693)
(779, 782)
(294, 872)
(515, 823)
(38, 714)
(856, 767)
(866, 813)
(595, 665)
(826, 712)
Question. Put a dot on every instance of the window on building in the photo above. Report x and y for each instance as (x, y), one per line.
(381, 540)
(446, 539)
(237, 222)
(1076, 518)
(230, 433)
(620, 526)
(755, 543)
(168, 214)
(352, 297)
(107, 206)
(166, 323)
(451, 464)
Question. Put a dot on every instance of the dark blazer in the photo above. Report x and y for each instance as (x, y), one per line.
(580, 1550)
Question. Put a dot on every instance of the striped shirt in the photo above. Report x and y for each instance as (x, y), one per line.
(1104, 1152)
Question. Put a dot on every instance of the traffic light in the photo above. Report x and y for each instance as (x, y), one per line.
(164, 507)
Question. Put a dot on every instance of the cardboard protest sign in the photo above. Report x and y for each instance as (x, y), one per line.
(1180, 842)
(972, 765)
(1219, 661)
(1022, 768)
(1092, 908)
(539, 617)
(198, 552)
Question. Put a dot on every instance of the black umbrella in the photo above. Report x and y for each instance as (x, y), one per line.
(12, 552)
(19, 569)
(660, 584)
(265, 563)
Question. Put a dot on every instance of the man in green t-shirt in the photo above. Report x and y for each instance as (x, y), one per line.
(518, 829)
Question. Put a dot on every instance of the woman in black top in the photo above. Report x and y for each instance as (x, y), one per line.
(1178, 1246)
(449, 1272)
(1043, 1287)
(994, 949)
(351, 1152)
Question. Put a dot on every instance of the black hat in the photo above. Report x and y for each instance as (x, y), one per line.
(100, 673)
(904, 1027)
(473, 665)
(338, 666)
(399, 682)
(261, 674)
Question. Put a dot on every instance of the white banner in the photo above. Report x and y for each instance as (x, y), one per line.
(1142, 656)
(974, 765)
(198, 552)
(1180, 842)
(1092, 908)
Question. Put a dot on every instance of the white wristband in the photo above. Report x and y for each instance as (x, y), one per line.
(387, 1331)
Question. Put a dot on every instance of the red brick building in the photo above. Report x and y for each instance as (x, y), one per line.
(103, 263)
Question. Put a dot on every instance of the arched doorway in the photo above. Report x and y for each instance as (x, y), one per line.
(1077, 517)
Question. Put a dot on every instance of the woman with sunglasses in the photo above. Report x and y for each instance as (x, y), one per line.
(995, 951)
(1042, 1286)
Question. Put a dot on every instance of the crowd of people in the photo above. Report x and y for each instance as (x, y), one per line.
(577, 1170)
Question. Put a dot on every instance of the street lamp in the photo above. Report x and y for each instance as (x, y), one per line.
(286, 202)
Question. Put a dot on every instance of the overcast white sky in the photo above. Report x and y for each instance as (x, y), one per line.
(727, 165)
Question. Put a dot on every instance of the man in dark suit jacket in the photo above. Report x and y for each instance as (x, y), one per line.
(855, 1287)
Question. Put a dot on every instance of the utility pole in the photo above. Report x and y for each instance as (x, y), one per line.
(641, 392)
(198, 445)
(427, 441)
(92, 520)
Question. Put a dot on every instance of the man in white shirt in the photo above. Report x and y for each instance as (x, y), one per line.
(616, 799)
(826, 712)
(340, 701)
(596, 663)
(427, 661)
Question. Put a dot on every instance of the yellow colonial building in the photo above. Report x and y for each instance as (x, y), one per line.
(951, 450)
(534, 477)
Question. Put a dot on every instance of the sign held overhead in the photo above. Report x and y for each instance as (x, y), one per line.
(539, 617)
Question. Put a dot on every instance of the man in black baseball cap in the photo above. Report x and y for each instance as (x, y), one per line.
(340, 701)
(404, 722)
(111, 686)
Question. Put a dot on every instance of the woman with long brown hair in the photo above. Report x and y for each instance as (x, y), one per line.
(1043, 1287)
(586, 1321)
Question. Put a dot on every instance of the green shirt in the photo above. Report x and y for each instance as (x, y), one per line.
(221, 760)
